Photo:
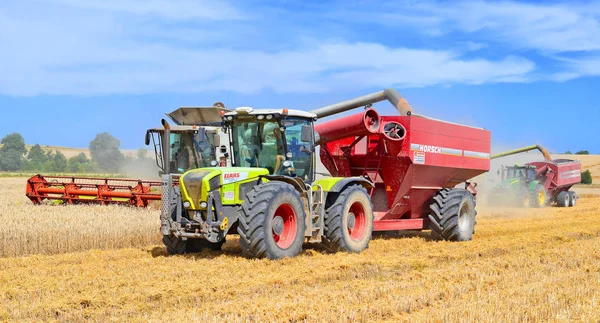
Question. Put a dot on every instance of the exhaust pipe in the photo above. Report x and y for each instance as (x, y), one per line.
(543, 150)
(388, 94)
(167, 181)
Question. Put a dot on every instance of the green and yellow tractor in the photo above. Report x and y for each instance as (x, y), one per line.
(519, 187)
(270, 196)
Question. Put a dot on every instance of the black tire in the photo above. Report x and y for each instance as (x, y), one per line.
(563, 199)
(572, 199)
(341, 220)
(539, 197)
(175, 246)
(452, 215)
(265, 204)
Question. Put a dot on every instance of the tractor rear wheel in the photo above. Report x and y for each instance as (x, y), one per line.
(563, 199)
(175, 246)
(572, 199)
(452, 215)
(272, 224)
(349, 221)
(538, 196)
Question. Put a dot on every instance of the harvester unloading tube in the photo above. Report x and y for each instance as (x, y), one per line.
(543, 150)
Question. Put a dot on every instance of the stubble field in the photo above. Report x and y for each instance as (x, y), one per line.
(68, 263)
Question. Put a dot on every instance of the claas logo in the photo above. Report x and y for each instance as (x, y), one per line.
(231, 175)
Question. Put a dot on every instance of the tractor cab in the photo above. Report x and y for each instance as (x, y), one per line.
(524, 173)
(281, 141)
(190, 147)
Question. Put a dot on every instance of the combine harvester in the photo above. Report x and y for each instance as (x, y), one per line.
(536, 184)
(414, 169)
(194, 142)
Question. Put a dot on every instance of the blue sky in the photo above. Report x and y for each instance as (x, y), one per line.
(528, 71)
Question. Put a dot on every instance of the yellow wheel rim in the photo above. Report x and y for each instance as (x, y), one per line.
(541, 198)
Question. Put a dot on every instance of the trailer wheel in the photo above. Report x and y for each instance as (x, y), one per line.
(452, 215)
(349, 221)
(562, 199)
(175, 246)
(272, 224)
(539, 197)
(572, 199)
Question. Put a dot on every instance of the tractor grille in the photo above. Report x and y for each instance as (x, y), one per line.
(193, 183)
(215, 182)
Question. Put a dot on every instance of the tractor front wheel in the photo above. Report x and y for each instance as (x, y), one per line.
(175, 246)
(452, 215)
(538, 196)
(349, 221)
(272, 222)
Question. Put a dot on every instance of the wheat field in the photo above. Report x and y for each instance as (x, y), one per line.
(103, 264)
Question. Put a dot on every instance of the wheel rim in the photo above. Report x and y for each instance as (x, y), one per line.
(463, 218)
(284, 226)
(356, 221)
(541, 198)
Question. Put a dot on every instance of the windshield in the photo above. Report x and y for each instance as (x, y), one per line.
(259, 144)
(267, 144)
(518, 172)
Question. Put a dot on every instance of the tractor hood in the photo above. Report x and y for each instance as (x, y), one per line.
(197, 116)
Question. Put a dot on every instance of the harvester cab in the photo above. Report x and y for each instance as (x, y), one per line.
(189, 147)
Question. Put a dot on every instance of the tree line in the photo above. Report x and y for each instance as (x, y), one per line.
(105, 153)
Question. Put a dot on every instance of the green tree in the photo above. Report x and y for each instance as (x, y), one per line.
(58, 163)
(36, 158)
(78, 164)
(582, 152)
(105, 152)
(36, 154)
(12, 152)
(568, 152)
(586, 177)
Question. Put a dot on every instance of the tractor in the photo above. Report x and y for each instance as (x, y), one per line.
(269, 196)
(518, 187)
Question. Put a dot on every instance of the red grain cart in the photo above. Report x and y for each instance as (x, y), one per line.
(420, 166)
(558, 177)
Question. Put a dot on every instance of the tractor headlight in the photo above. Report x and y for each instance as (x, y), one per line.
(214, 163)
(203, 205)
(269, 117)
(230, 118)
(186, 204)
(260, 117)
(287, 163)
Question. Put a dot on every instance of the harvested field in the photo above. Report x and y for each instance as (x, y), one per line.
(523, 265)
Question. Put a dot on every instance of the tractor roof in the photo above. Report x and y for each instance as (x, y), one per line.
(290, 112)
(185, 128)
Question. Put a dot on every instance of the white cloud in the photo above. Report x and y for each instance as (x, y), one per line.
(79, 49)
(171, 9)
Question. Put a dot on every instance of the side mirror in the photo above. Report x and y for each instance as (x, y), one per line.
(147, 138)
(307, 134)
